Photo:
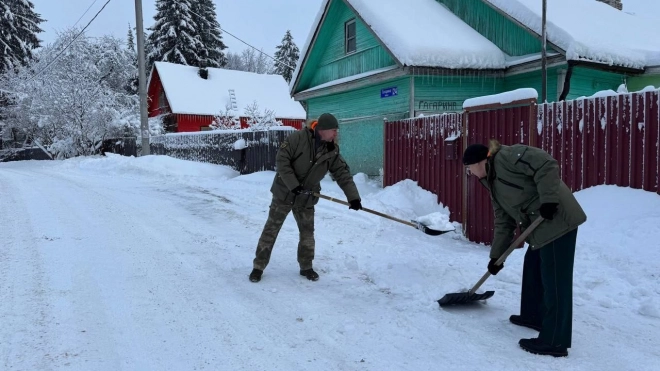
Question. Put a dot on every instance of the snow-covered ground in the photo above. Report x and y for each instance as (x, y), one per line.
(122, 263)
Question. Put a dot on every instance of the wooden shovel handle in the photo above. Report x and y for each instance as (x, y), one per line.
(365, 209)
(506, 254)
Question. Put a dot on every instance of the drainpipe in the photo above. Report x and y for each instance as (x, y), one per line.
(567, 81)
(411, 104)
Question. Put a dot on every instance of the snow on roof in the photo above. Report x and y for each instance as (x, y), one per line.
(187, 93)
(426, 33)
(420, 33)
(590, 30)
(502, 98)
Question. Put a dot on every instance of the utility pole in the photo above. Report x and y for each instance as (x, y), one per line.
(144, 120)
(544, 62)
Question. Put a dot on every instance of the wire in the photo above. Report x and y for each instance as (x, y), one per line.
(278, 61)
(68, 45)
(236, 37)
(81, 17)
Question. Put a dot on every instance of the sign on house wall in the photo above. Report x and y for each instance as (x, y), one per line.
(389, 92)
(436, 106)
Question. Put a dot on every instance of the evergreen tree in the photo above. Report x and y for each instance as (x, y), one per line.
(210, 34)
(286, 57)
(175, 37)
(133, 85)
(19, 26)
(130, 39)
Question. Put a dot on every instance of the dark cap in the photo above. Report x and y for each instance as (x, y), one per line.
(326, 122)
(475, 153)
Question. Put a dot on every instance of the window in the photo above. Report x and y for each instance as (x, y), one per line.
(349, 37)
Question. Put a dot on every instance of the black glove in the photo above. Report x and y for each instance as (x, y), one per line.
(494, 269)
(298, 190)
(548, 210)
(355, 205)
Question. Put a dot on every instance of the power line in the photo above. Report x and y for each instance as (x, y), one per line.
(277, 61)
(68, 45)
(236, 37)
(81, 17)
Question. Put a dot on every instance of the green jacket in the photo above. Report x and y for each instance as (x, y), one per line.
(521, 178)
(300, 163)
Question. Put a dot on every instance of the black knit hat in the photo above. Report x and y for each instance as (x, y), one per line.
(475, 153)
(326, 122)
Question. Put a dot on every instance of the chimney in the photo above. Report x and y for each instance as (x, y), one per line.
(613, 3)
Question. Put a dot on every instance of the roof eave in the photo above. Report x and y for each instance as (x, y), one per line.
(396, 59)
(532, 32)
(316, 33)
(309, 49)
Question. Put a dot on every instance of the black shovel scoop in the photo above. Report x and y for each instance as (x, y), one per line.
(471, 296)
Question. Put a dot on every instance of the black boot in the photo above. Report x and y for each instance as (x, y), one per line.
(536, 346)
(255, 276)
(518, 320)
(310, 274)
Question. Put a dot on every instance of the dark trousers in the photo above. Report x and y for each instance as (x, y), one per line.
(547, 289)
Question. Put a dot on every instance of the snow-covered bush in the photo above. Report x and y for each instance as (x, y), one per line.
(258, 120)
(79, 100)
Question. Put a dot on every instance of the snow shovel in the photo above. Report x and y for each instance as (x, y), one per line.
(415, 224)
(471, 296)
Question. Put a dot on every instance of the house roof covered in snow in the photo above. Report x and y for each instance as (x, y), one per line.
(188, 93)
(590, 30)
(419, 33)
(426, 33)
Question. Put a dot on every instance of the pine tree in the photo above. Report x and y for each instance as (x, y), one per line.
(210, 34)
(286, 56)
(130, 39)
(19, 26)
(175, 37)
(133, 84)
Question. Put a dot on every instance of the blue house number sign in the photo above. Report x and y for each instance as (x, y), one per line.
(388, 92)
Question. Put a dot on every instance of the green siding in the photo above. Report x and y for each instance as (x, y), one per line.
(361, 114)
(585, 82)
(327, 61)
(437, 94)
(637, 83)
(533, 80)
(507, 35)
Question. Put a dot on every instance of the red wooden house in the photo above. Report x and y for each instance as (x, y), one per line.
(190, 102)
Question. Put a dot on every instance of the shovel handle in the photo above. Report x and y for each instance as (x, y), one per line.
(506, 254)
(364, 209)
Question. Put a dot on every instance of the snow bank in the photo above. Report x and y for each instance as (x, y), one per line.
(591, 30)
(154, 165)
(502, 98)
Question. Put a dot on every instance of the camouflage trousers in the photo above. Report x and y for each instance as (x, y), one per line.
(276, 216)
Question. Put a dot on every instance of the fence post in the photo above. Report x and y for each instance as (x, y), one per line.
(533, 114)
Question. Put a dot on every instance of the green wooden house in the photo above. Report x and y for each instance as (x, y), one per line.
(368, 61)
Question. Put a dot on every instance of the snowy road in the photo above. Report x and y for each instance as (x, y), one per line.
(141, 264)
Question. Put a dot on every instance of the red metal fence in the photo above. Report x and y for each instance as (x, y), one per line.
(427, 150)
(608, 140)
(612, 140)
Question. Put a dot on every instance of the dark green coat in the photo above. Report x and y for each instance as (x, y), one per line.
(299, 163)
(521, 178)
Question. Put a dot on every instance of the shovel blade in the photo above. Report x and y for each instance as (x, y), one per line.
(429, 231)
(462, 298)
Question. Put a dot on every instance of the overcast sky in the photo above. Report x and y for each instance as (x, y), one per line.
(261, 23)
